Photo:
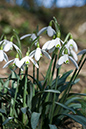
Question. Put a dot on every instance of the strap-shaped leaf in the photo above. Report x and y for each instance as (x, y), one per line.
(2, 111)
(34, 119)
(72, 100)
(66, 107)
(77, 118)
(7, 120)
(52, 126)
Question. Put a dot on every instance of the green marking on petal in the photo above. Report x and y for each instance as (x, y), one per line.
(41, 54)
(67, 62)
(57, 45)
(13, 64)
(27, 62)
(71, 45)
(11, 48)
(66, 51)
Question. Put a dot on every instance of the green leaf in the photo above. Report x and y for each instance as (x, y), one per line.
(77, 118)
(24, 109)
(66, 107)
(75, 106)
(52, 126)
(34, 119)
(7, 120)
(72, 100)
(2, 111)
(52, 91)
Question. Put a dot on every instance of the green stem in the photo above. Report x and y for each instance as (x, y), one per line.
(24, 94)
(53, 105)
(48, 71)
(77, 74)
(38, 72)
(33, 73)
(54, 65)
(66, 93)
(13, 112)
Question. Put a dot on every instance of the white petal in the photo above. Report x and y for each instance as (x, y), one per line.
(51, 50)
(33, 36)
(66, 60)
(50, 31)
(17, 62)
(74, 55)
(46, 54)
(7, 46)
(72, 42)
(8, 63)
(45, 46)
(24, 60)
(42, 30)
(17, 48)
(32, 53)
(57, 42)
(34, 62)
(74, 62)
(5, 57)
(51, 44)
(38, 54)
(24, 36)
(61, 60)
(1, 55)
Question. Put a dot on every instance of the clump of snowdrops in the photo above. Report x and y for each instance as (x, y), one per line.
(26, 102)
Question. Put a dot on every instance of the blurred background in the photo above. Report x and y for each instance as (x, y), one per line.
(25, 15)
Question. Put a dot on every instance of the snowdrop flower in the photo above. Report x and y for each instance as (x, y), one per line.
(8, 45)
(72, 44)
(15, 61)
(26, 60)
(32, 36)
(52, 44)
(49, 29)
(65, 59)
(3, 56)
(38, 53)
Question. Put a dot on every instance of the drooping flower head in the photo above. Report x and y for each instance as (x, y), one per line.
(50, 31)
(67, 54)
(8, 45)
(32, 37)
(52, 44)
(38, 53)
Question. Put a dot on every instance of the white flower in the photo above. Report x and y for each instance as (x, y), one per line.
(52, 44)
(15, 61)
(32, 36)
(38, 53)
(65, 59)
(27, 59)
(3, 56)
(72, 44)
(49, 29)
(8, 45)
